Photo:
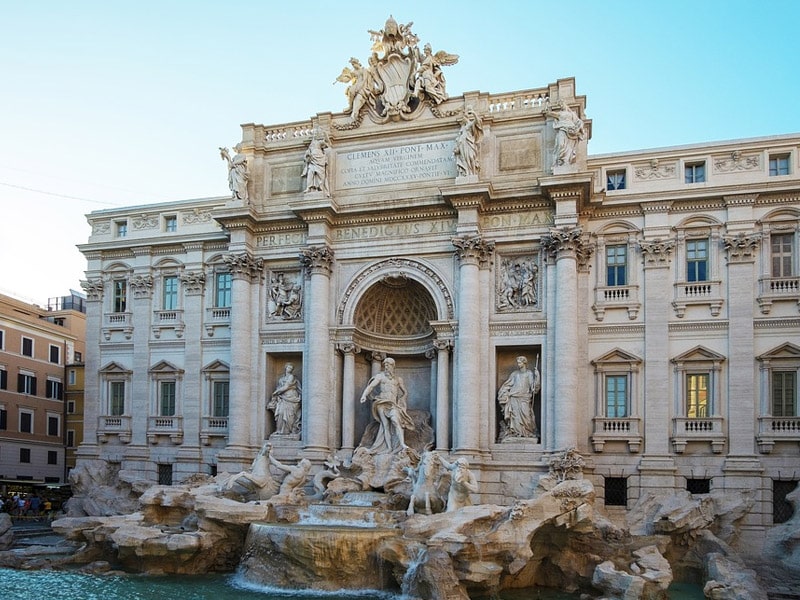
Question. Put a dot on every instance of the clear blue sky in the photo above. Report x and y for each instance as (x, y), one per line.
(108, 103)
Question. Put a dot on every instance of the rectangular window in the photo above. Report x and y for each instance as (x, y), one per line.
(778, 165)
(2, 339)
(616, 491)
(782, 509)
(27, 346)
(55, 354)
(3, 379)
(697, 260)
(54, 390)
(616, 265)
(3, 419)
(26, 384)
(616, 396)
(167, 398)
(695, 172)
(698, 486)
(221, 399)
(222, 297)
(52, 457)
(78, 357)
(784, 393)
(171, 223)
(24, 455)
(71, 407)
(120, 295)
(25, 421)
(122, 228)
(170, 293)
(70, 438)
(116, 404)
(697, 395)
(615, 180)
(781, 247)
(165, 474)
(72, 377)
(53, 425)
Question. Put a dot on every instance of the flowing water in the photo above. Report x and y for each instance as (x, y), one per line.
(43, 585)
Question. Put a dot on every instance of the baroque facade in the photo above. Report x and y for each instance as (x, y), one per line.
(652, 295)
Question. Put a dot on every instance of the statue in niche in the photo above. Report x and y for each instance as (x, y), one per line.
(291, 489)
(462, 484)
(388, 394)
(237, 172)
(515, 397)
(518, 287)
(468, 143)
(569, 131)
(285, 403)
(285, 298)
(255, 484)
(429, 77)
(315, 169)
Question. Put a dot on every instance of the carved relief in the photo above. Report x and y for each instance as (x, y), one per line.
(656, 252)
(736, 162)
(741, 247)
(517, 283)
(285, 296)
(655, 171)
(196, 215)
(193, 282)
(144, 222)
(93, 289)
(142, 285)
(101, 228)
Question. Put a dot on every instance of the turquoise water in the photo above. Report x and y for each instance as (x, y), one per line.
(41, 585)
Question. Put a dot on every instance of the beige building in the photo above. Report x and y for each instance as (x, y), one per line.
(41, 350)
(654, 292)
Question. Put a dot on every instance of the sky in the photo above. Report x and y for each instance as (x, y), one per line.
(108, 103)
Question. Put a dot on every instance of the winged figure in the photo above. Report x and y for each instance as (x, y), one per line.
(430, 78)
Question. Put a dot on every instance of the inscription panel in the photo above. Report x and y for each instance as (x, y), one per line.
(286, 179)
(395, 165)
(520, 153)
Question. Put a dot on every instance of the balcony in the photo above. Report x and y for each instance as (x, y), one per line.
(165, 426)
(120, 321)
(689, 293)
(118, 425)
(213, 427)
(777, 429)
(622, 429)
(168, 319)
(707, 429)
(777, 289)
(617, 296)
(217, 317)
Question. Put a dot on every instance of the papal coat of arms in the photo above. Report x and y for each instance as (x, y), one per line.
(399, 79)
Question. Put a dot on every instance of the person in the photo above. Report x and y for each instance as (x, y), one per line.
(285, 402)
(315, 169)
(569, 131)
(515, 397)
(462, 484)
(237, 172)
(467, 143)
(388, 408)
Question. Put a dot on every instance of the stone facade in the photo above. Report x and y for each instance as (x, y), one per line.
(655, 292)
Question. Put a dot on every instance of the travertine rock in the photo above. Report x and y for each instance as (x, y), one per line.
(728, 579)
(6, 533)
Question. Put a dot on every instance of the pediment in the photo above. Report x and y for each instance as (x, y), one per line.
(784, 351)
(164, 366)
(217, 366)
(617, 355)
(114, 367)
(699, 354)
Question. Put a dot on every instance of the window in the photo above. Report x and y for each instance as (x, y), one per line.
(26, 384)
(122, 228)
(221, 402)
(3, 418)
(616, 491)
(116, 404)
(697, 260)
(781, 508)
(70, 438)
(698, 486)
(167, 398)
(165, 474)
(72, 377)
(695, 172)
(616, 396)
(120, 295)
(54, 389)
(25, 421)
(52, 457)
(24, 455)
(27, 346)
(778, 165)
(78, 357)
(3, 379)
(222, 295)
(2, 339)
(71, 407)
(170, 293)
(53, 425)
(616, 265)
(781, 246)
(615, 180)
(171, 223)
(55, 354)
(784, 393)
(697, 395)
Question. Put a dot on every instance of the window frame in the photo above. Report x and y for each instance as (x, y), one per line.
(53, 418)
(54, 389)
(26, 383)
(170, 288)
(30, 342)
(223, 295)
(31, 415)
(784, 253)
(620, 251)
(24, 456)
(117, 392)
(792, 375)
(170, 223)
(219, 401)
(625, 396)
(619, 184)
(779, 164)
(121, 228)
(694, 172)
(54, 349)
(694, 263)
(119, 295)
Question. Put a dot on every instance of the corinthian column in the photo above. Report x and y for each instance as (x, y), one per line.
(348, 395)
(442, 396)
(318, 392)
(471, 250)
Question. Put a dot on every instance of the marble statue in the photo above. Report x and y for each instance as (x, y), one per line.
(515, 397)
(361, 85)
(468, 144)
(285, 403)
(291, 489)
(388, 394)
(429, 77)
(569, 131)
(255, 484)
(462, 484)
(428, 486)
(237, 172)
(315, 169)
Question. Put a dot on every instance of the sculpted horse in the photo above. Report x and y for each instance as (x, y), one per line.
(428, 485)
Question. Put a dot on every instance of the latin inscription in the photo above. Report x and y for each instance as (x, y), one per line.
(531, 219)
(398, 164)
(395, 230)
(280, 240)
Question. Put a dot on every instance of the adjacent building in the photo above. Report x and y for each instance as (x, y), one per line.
(654, 294)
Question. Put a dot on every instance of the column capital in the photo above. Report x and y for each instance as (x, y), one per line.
(348, 348)
(740, 248)
(193, 282)
(657, 252)
(243, 265)
(142, 285)
(568, 241)
(442, 345)
(317, 259)
(473, 249)
(93, 289)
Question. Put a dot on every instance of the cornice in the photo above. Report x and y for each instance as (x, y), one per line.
(618, 329)
(781, 323)
(699, 326)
